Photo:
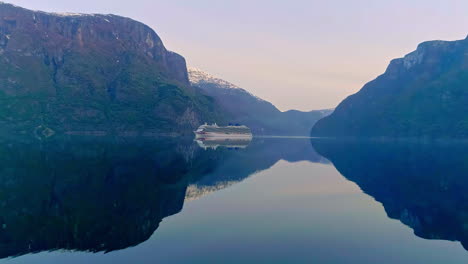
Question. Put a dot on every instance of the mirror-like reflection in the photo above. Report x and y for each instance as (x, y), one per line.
(87, 195)
(223, 143)
(261, 154)
(77, 196)
(104, 194)
(424, 185)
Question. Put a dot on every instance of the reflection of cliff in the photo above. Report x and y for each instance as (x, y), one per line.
(425, 186)
(195, 191)
(236, 165)
(100, 194)
(86, 195)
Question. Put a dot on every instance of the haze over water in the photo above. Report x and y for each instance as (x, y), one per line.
(271, 201)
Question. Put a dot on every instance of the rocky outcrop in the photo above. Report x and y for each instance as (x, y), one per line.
(423, 94)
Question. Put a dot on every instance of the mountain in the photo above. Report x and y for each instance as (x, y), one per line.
(94, 73)
(424, 94)
(242, 107)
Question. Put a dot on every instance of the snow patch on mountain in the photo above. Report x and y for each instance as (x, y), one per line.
(69, 14)
(195, 192)
(198, 77)
(60, 14)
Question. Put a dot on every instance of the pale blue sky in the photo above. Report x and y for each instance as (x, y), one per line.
(298, 54)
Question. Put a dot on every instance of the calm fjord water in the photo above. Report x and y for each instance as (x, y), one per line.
(85, 200)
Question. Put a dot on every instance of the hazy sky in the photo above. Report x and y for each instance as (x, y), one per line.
(298, 54)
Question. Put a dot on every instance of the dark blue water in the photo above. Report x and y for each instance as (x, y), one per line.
(88, 200)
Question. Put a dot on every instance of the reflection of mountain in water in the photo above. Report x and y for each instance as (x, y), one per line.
(260, 155)
(102, 195)
(425, 186)
(86, 195)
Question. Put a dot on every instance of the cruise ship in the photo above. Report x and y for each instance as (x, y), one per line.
(223, 132)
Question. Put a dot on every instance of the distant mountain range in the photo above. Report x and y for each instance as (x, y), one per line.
(106, 74)
(424, 94)
(243, 107)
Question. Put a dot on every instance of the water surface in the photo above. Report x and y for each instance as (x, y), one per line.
(88, 200)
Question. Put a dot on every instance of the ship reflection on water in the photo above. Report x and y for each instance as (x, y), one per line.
(215, 143)
(230, 137)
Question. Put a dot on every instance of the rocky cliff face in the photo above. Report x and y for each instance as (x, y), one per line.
(91, 72)
(52, 36)
(424, 94)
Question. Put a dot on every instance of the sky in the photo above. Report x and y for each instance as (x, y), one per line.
(297, 54)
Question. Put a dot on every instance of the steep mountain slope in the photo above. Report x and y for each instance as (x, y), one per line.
(75, 72)
(424, 94)
(243, 107)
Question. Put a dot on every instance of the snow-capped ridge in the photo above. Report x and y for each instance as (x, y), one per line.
(197, 77)
(68, 14)
(60, 14)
